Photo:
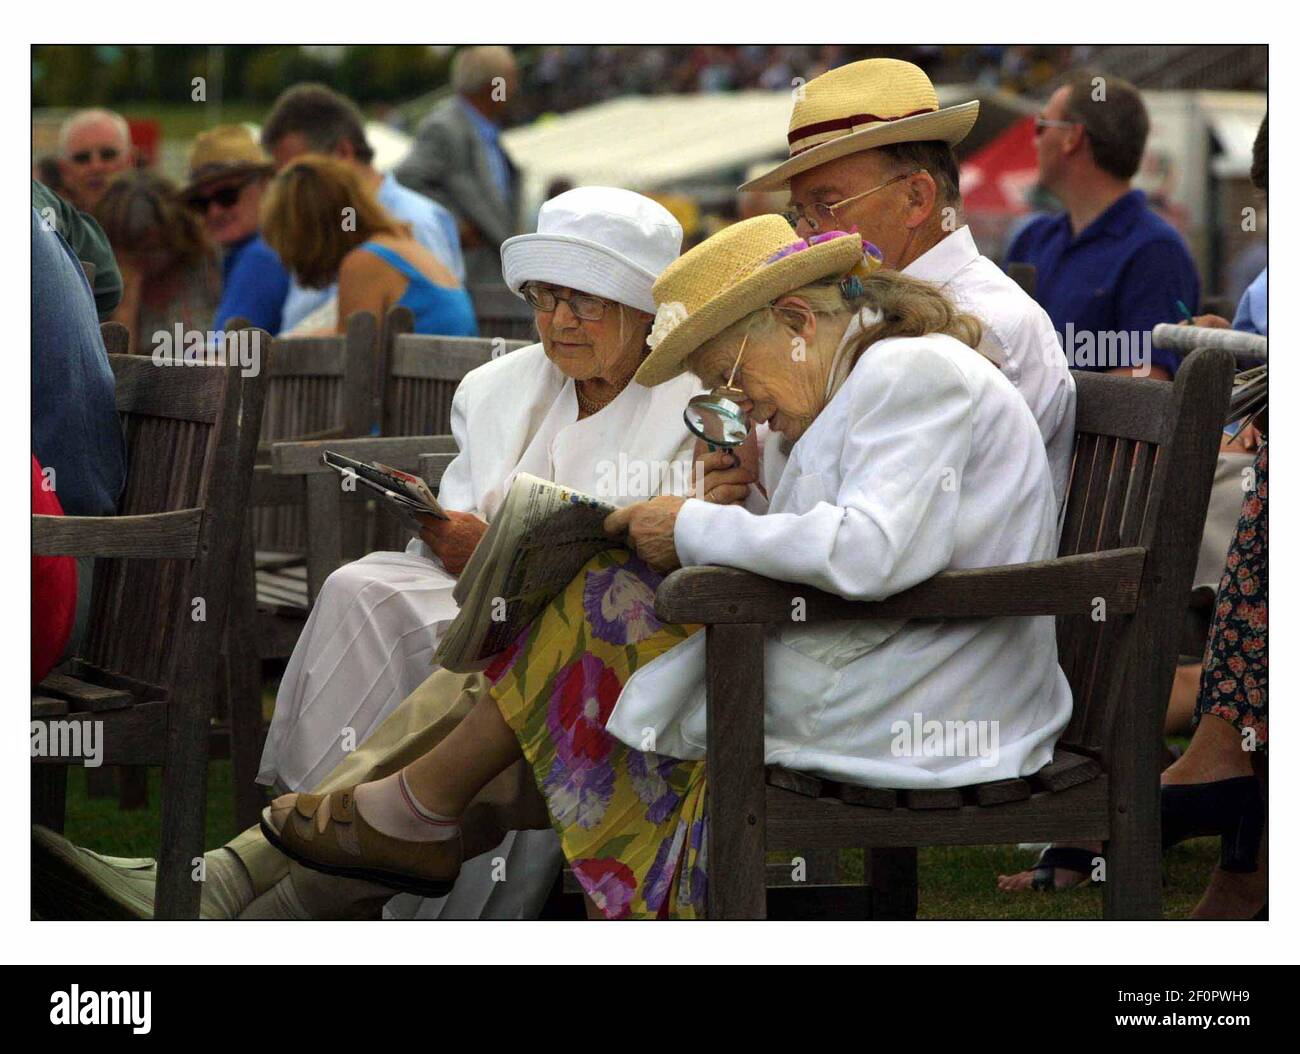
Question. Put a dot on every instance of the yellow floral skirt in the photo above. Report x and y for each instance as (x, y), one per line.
(632, 823)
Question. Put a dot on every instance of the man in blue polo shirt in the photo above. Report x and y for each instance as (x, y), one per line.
(1109, 268)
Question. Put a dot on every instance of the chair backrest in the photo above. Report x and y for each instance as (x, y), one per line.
(1024, 275)
(502, 314)
(423, 372)
(1144, 458)
(191, 434)
(117, 338)
(320, 385)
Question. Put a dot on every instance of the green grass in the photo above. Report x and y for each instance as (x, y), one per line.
(956, 882)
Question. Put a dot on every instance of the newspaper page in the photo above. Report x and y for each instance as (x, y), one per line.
(539, 540)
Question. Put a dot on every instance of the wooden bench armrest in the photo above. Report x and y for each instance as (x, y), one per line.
(303, 457)
(158, 536)
(1065, 586)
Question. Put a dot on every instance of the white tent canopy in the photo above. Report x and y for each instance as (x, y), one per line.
(652, 142)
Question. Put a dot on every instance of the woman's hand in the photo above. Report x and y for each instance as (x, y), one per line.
(725, 475)
(454, 539)
(649, 528)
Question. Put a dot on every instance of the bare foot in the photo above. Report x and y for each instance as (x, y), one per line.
(1063, 877)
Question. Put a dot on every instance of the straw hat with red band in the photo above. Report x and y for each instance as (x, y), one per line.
(861, 106)
(737, 271)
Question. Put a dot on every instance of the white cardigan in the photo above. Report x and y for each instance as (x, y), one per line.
(926, 459)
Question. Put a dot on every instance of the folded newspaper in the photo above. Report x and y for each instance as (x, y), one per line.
(539, 540)
(409, 496)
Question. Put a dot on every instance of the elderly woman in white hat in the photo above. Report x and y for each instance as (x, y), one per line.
(906, 451)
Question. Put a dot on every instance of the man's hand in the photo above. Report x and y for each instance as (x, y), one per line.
(454, 539)
(1211, 322)
(649, 528)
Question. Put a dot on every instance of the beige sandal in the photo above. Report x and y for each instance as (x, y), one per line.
(326, 833)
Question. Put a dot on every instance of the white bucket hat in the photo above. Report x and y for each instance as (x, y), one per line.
(600, 240)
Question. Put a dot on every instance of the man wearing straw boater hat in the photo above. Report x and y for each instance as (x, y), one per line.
(871, 150)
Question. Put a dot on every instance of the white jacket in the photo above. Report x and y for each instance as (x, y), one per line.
(926, 459)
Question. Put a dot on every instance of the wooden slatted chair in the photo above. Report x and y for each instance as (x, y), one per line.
(317, 388)
(502, 314)
(421, 374)
(1143, 464)
(147, 673)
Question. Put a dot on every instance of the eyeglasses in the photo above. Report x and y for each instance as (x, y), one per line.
(1042, 124)
(820, 212)
(106, 153)
(224, 196)
(584, 305)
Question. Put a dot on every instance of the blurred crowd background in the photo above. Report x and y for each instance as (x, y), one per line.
(651, 118)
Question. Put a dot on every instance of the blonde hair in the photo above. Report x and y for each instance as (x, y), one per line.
(907, 307)
(303, 213)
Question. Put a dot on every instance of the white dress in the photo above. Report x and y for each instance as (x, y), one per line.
(926, 459)
(370, 638)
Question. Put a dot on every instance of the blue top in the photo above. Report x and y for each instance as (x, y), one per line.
(490, 136)
(1252, 312)
(75, 427)
(254, 287)
(1108, 286)
(432, 225)
(438, 310)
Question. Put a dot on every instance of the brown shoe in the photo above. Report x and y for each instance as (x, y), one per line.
(326, 833)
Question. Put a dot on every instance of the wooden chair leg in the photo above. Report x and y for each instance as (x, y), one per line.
(891, 873)
(49, 795)
(243, 684)
(1132, 887)
(184, 805)
(736, 784)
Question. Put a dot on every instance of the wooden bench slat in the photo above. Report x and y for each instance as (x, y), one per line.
(82, 695)
(1065, 770)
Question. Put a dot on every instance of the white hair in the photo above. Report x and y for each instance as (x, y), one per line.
(472, 69)
(85, 117)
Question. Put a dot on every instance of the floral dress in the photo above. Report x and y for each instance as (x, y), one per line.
(1234, 680)
(632, 823)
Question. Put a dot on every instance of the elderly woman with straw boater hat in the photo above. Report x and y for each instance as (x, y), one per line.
(908, 453)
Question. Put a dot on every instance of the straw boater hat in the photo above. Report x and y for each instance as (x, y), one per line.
(227, 150)
(738, 270)
(600, 240)
(860, 106)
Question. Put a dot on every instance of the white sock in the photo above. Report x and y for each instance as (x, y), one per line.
(390, 808)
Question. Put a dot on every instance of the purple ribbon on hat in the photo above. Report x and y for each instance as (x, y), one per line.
(869, 251)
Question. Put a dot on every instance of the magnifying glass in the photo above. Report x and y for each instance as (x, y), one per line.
(717, 418)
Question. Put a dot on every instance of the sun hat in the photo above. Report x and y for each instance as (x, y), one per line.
(227, 150)
(600, 240)
(738, 270)
(861, 106)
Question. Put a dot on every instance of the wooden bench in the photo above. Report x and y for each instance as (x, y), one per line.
(1143, 464)
(148, 669)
